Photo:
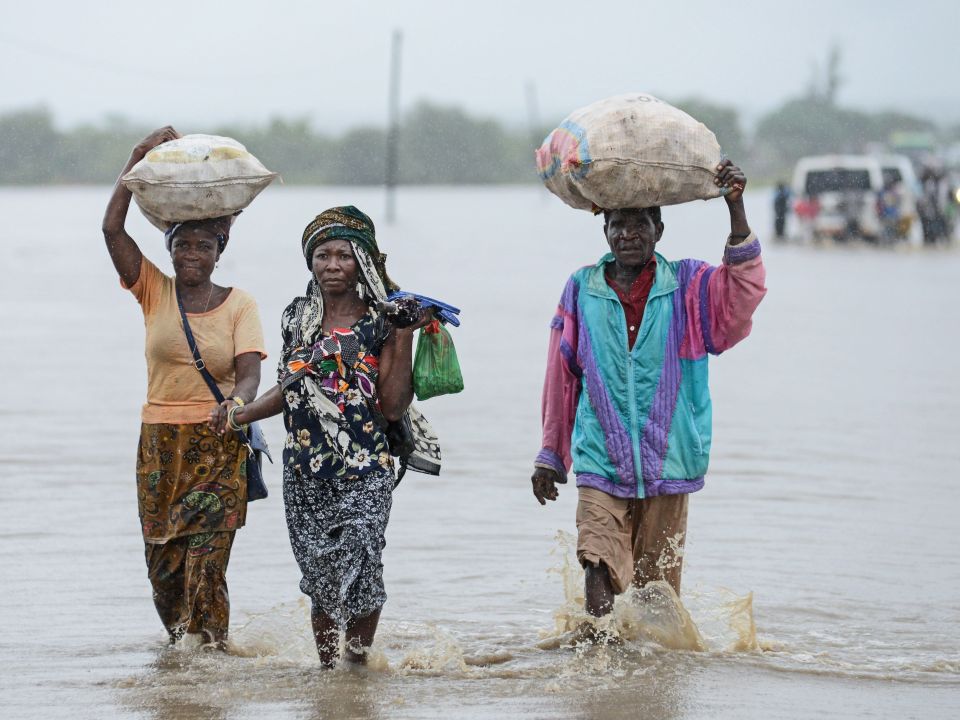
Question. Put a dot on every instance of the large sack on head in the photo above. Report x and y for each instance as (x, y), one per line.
(629, 151)
(196, 177)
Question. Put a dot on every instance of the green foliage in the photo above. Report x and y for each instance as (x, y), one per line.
(359, 158)
(813, 125)
(90, 154)
(290, 146)
(439, 144)
(445, 145)
(29, 145)
(810, 126)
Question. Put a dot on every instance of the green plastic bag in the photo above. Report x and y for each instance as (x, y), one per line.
(436, 370)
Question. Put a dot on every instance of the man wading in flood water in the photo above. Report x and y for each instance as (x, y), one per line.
(625, 400)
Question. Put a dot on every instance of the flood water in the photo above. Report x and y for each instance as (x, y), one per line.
(821, 577)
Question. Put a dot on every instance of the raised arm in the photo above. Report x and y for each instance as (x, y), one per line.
(732, 178)
(123, 250)
(721, 300)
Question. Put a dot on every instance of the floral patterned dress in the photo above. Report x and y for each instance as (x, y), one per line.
(338, 473)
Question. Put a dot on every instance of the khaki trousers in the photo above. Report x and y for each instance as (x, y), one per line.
(638, 540)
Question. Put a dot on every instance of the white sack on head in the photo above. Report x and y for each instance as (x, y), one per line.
(196, 177)
(629, 151)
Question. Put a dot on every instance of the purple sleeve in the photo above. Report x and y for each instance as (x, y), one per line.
(720, 301)
(561, 387)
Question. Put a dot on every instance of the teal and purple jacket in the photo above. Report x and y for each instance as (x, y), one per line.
(636, 423)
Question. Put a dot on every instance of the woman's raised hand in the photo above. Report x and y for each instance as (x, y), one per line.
(123, 249)
(157, 137)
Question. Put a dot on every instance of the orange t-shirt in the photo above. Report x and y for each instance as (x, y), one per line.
(176, 392)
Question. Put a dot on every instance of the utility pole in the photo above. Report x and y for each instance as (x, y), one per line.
(393, 128)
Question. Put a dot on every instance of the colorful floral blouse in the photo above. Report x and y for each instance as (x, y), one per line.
(342, 368)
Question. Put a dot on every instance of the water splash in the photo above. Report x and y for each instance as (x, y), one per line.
(652, 614)
(740, 614)
(445, 655)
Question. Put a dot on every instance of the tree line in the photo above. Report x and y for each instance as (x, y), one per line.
(439, 144)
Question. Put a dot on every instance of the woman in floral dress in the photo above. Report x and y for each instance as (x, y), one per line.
(345, 372)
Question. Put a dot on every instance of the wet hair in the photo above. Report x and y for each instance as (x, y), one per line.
(653, 211)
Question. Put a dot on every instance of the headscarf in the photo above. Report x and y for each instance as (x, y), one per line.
(347, 223)
(219, 227)
(302, 322)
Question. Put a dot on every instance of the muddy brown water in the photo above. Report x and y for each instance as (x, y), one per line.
(821, 574)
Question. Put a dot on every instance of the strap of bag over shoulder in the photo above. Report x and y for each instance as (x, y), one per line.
(195, 351)
(205, 374)
(256, 442)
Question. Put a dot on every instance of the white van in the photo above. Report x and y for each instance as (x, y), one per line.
(837, 197)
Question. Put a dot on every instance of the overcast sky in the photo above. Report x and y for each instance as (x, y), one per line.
(197, 63)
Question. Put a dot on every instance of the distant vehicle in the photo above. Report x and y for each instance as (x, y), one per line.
(855, 196)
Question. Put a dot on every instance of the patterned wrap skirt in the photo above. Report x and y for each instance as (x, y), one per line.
(189, 480)
(337, 528)
(192, 497)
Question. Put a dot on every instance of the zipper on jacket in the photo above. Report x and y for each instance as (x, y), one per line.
(642, 333)
(632, 394)
(632, 400)
(634, 441)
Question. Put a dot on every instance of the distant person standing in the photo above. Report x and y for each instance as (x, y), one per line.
(932, 218)
(889, 208)
(781, 207)
(626, 403)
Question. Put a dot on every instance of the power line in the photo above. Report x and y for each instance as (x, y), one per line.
(75, 59)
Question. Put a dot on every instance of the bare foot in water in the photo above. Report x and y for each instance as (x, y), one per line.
(590, 634)
(174, 636)
(354, 654)
(213, 643)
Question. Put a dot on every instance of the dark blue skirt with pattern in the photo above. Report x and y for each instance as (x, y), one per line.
(338, 474)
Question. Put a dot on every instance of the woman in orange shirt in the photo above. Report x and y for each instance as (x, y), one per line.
(191, 482)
